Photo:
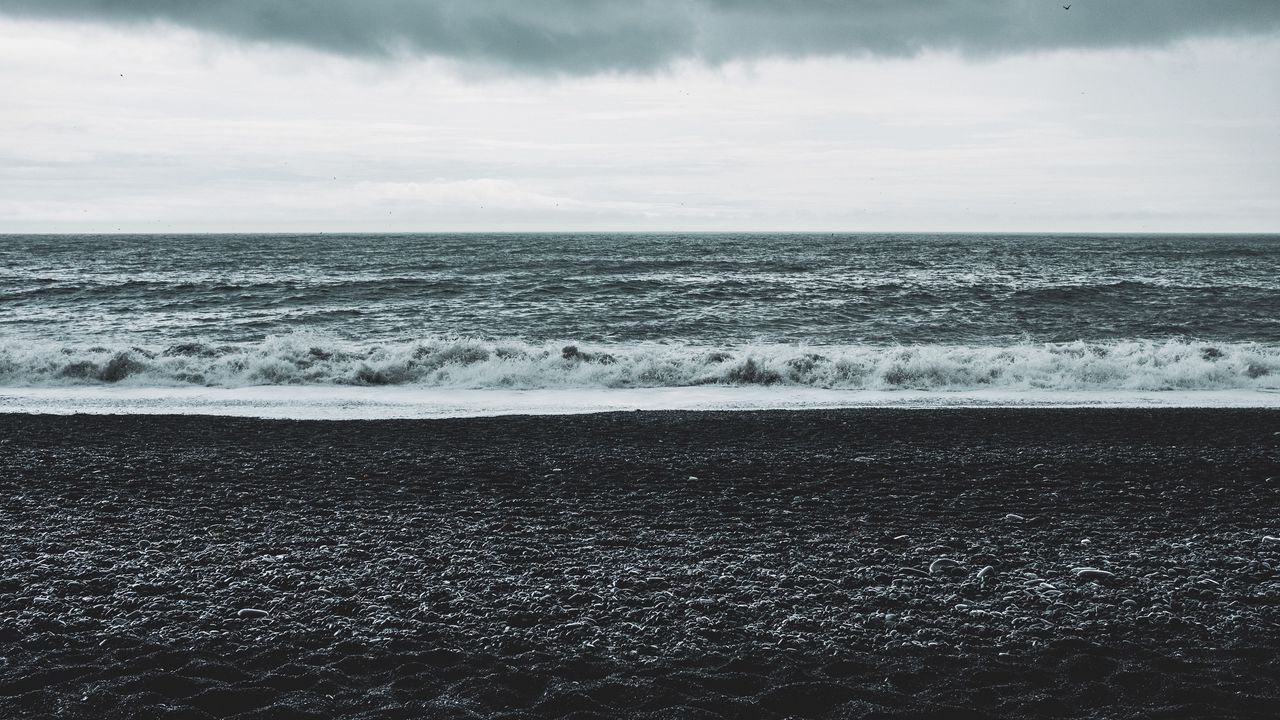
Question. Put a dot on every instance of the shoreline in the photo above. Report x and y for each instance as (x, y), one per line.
(379, 403)
(820, 563)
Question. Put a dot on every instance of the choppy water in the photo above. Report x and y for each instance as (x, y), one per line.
(879, 312)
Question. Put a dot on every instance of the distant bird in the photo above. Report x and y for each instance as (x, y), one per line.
(1066, 7)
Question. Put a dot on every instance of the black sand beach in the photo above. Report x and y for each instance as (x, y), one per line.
(659, 565)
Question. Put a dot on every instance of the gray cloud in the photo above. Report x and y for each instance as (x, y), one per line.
(587, 36)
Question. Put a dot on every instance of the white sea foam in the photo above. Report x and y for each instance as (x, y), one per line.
(446, 362)
(356, 403)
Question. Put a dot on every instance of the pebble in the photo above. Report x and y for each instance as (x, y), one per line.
(252, 613)
(1092, 573)
(941, 564)
(1014, 517)
(986, 572)
(1269, 539)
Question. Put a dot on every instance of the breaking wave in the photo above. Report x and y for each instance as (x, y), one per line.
(464, 362)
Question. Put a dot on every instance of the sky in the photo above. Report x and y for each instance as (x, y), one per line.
(640, 115)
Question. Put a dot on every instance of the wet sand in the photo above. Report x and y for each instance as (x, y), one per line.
(661, 565)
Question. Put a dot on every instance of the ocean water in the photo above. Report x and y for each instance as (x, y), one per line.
(728, 315)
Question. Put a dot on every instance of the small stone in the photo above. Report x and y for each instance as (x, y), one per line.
(913, 571)
(252, 613)
(941, 565)
(693, 478)
(1014, 517)
(986, 572)
(1092, 573)
(1270, 539)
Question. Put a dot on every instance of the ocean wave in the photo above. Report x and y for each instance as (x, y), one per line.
(465, 362)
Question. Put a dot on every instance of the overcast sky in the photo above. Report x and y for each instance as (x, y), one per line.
(403, 115)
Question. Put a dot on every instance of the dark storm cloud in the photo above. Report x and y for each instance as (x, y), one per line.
(584, 36)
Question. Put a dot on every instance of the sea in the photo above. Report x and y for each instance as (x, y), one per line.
(434, 325)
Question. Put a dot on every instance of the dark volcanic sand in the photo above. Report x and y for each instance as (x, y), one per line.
(655, 565)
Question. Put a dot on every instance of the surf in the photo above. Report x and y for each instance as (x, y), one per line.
(466, 362)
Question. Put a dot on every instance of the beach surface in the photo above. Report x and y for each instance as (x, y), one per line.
(950, 563)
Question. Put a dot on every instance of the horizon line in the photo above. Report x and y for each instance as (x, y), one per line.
(4, 233)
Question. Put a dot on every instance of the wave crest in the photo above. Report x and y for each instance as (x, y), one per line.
(464, 362)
